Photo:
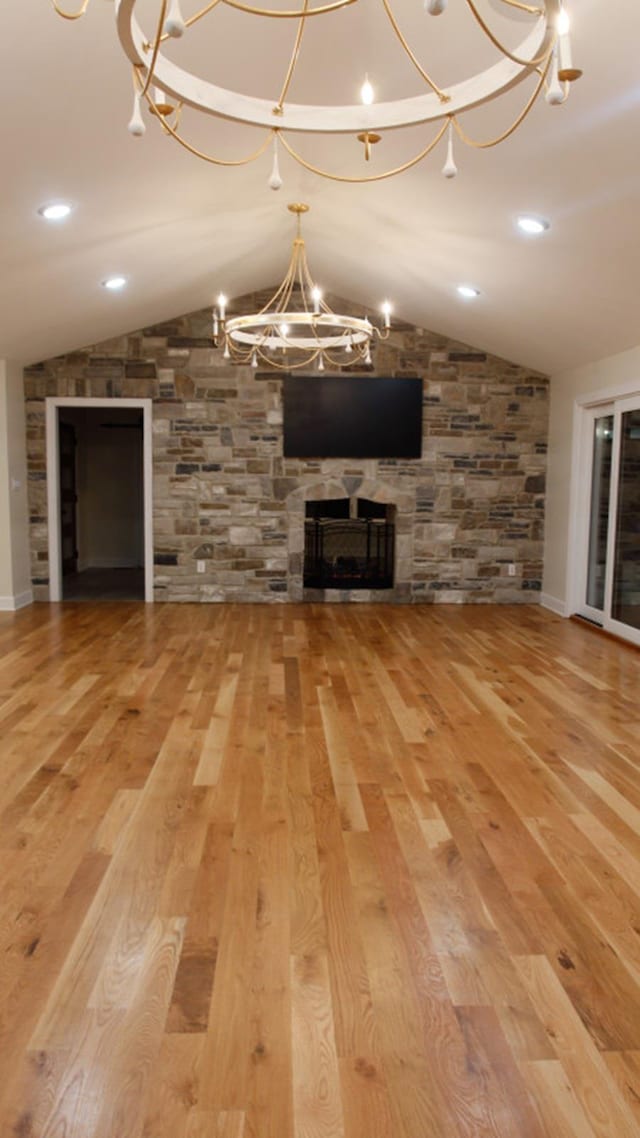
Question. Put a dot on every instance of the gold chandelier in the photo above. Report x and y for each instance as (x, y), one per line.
(173, 92)
(296, 328)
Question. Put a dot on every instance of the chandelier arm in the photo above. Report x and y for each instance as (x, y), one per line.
(177, 110)
(535, 62)
(287, 366)
(279, 300)
(293, 61)
(209, 157)
(305, 282)
(353, 179)
(70, 15)
(394, 24)
(156, 47)
(530, 8)
(289, 14)
(464, 137)
(333, 362)
(310, 285)
(188, 23)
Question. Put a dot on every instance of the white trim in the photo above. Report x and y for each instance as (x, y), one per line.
(554, 604)
(583, 403)
(587, 408)
(609, 394)
(612, 521)
(582, 489)
(53, 483)
(624, 631)
(575, 497)
(53, 499)
(147, 483)
(19, 601)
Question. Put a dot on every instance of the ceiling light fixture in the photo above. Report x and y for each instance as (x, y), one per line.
(114, 283)
(468, 292)
(297, 328)
(55, 211)
(173, 92)
(531, 225)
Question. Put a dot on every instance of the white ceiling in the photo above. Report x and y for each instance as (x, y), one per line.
(182, 230)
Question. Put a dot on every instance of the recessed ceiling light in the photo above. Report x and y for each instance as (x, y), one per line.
(532, 225)
(55, 211)
(468, 292)
(114, 283)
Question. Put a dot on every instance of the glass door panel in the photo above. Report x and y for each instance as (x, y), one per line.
(625, 599)
(599, 511)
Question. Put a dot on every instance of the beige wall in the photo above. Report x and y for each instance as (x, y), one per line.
(615, 375)
(15, 588)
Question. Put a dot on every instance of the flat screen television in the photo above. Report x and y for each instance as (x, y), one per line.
(351, 416)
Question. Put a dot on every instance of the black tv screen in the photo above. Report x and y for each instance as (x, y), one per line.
(352, 416)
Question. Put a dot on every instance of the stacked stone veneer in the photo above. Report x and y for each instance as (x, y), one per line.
(223, 493)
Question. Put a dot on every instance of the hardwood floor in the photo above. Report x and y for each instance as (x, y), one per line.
(318, 872)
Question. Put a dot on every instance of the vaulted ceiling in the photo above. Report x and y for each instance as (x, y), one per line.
(182, 230)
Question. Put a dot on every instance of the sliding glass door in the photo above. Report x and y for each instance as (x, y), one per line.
(602, 447)
(608, 578)
(625, 591)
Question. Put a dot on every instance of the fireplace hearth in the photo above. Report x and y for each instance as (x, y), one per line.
(348, 544)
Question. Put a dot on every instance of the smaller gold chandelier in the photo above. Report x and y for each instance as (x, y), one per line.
(297, 328)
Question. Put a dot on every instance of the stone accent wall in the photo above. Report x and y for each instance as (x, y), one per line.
(223, 493)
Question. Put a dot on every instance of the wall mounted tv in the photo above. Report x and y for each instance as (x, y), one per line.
(351, 416)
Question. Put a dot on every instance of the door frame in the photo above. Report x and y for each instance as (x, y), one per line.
(52, 405)
(586, 410)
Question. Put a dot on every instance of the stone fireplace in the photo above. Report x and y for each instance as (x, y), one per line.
(350, 539)
(349, 543)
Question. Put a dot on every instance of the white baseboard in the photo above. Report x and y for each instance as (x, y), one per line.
(12, 604)
(553, 604)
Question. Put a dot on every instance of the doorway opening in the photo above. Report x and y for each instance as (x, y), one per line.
(99, 489)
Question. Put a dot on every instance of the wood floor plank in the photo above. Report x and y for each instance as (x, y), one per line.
(317, 871)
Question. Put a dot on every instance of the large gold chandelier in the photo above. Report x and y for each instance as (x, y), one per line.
(296, 328)
(173, 92)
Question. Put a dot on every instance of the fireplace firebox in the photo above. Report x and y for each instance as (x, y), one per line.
(348, 544)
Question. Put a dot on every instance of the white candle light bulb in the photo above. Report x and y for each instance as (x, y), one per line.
(366, 92)
(563, 22)
(222, 304)
(316, 296)
(386, 312)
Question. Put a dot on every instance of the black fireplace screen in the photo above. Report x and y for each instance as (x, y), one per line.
(348, 553)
